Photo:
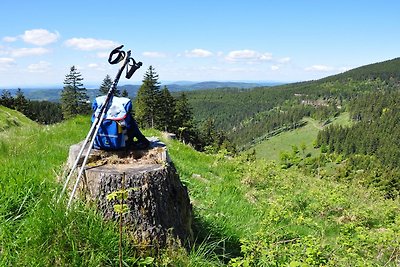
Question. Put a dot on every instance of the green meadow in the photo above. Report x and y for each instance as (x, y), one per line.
(246, 213)
(271, 148)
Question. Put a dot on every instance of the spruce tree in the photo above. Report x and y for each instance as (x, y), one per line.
(125, 93)
(20, 102)
(6, 99)
(167, 111)
(106, 85)
(73, 96)
(184, 122)
(147, 104)
(183, 112)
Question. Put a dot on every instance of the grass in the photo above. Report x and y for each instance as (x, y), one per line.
(270, 217)
(245, 213)
(271, 148)
(10, 118)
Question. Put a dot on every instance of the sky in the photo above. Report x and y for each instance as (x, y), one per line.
(207, 40)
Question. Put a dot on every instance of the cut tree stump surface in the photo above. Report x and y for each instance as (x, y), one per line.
(159, 205)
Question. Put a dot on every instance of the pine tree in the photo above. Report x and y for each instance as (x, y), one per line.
(106, 85)
(167, 111)
(73, 96)
(20, 102)
(148, 100)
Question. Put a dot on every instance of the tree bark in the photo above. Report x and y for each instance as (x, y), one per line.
(158, 203)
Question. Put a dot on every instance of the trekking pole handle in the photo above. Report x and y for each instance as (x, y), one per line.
(120, 55)
(132, 67)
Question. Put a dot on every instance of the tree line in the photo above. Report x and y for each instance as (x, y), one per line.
(44, 112)
(153, 108)
(157, 108)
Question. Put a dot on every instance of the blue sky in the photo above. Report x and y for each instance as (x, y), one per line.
(219, 40)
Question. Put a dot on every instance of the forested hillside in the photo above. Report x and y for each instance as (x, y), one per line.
(387, 70)
(246, 115)
(365, 150)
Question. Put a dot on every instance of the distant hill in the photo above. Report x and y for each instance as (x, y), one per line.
(53, 94)
(215, 85)
(386, 70)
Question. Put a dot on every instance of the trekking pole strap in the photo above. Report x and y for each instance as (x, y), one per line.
(130, 70)
(120, 55)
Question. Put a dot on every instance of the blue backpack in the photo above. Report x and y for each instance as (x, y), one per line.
(113, 131)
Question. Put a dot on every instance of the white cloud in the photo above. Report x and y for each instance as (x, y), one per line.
(198, 53)
(42, 66)
(93, 65)
(153, 54)
(343, 69)
(322, 68)
(284, 60)
(40, 37)
(6, 62)
(22, 52)
(89, 44)
(274, 67)
(249, 56)
(103, 54)
(266, 56)
(9, 39)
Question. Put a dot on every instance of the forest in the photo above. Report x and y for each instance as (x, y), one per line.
(370, 94)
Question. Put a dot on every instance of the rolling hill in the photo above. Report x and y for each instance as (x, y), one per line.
(10, 118)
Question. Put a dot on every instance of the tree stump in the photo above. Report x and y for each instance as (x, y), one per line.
(159, 205)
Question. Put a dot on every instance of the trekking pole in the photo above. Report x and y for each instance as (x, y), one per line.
(100, 116)
(120, 56)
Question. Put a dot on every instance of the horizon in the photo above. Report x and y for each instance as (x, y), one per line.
(281, 41)
(162, 83)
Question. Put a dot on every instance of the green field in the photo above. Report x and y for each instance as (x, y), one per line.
(271, 148)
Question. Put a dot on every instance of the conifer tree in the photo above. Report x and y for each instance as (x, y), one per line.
(73, 96)
(125, 93)
(6, 99)
(183, 112)
(167, 111)
(147, 104)
(106, 85)
(208, 132)
(184, 121)
(20, 102)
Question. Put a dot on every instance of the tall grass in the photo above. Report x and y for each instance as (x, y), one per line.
(34, 229)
